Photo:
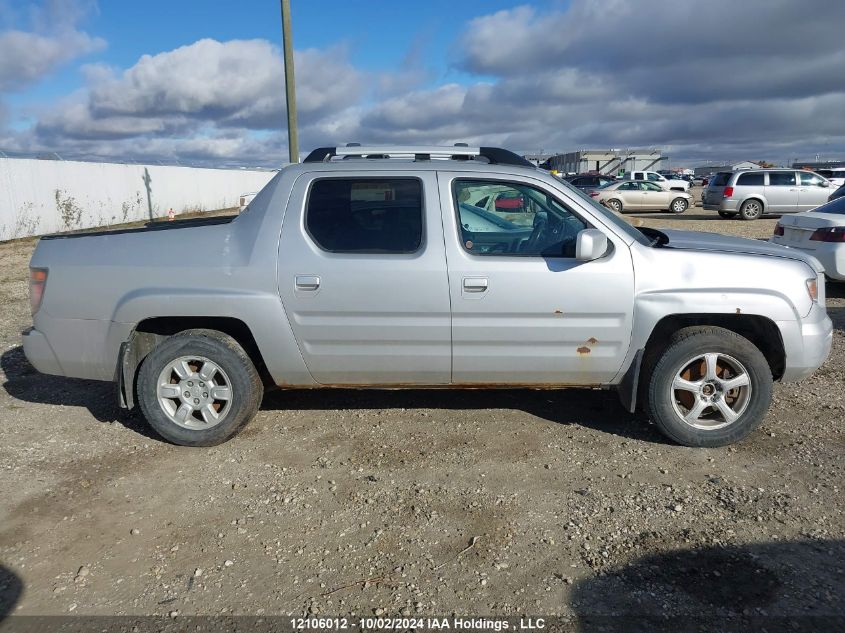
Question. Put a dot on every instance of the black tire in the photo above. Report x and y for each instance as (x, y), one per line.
(615, 205)
(751, 209)
(727, 215)
(679, 205)
(243, 380)
(664, 402)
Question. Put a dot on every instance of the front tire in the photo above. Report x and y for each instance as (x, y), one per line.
(711, 387)
(679, 205)
(615, 205)
(198, 388)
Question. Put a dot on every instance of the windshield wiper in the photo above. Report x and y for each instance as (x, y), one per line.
(658, 238)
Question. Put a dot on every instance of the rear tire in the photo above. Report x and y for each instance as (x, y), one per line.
(198, 388)
(711, 387)
(615, 205)
(679, 205)
(751, 209)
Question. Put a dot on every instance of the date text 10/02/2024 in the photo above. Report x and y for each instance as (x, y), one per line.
(428, 623)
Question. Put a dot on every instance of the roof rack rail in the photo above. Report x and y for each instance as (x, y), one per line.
(460, 151)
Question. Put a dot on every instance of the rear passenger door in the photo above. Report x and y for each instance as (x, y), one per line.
(362, 276)
(782, 192)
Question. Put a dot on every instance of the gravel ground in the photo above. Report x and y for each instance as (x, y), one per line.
(417, 502)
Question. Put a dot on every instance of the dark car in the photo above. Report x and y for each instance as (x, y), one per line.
(589, 182)
(837, 194)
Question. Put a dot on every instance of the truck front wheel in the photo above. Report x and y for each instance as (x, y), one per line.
(198, 388)
(711, 387)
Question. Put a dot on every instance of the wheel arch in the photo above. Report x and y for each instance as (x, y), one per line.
(760, 330)
(149, 332)
(754, 196)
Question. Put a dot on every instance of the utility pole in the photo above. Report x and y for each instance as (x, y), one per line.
(290, 84)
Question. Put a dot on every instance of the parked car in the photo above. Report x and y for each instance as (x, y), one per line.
(754, 193)
(836, 176)
(820, 233)
(673, 184)
(361, 272)
(589, 182)
(630, 195)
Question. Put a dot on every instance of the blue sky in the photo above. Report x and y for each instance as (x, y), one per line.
(200, 81)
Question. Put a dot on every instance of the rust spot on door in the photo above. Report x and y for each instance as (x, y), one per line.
(583, 350)
(558, 313)
(591, 341)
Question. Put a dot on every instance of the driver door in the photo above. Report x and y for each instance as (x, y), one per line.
(524, 310)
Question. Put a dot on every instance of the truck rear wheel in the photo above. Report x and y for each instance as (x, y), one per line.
(711, 387)
(198, 388)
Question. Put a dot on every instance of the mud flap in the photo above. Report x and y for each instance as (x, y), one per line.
(628, 386)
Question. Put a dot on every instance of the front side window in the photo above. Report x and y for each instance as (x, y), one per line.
(365, 215)
(781, 178)
(650, 186)
(809, 179)
(655, 177)
(538, 226)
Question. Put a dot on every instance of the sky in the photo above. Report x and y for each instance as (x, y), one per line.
(198, 82)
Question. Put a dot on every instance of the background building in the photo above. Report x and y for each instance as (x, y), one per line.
(828, 164)
(611, 161)
(712, 169)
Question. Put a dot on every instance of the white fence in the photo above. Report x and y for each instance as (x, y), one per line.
(45, 196)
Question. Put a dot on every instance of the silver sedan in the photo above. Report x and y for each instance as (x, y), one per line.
(632, 195)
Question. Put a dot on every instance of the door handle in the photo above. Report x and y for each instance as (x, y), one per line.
(475, 284)
(307, 282)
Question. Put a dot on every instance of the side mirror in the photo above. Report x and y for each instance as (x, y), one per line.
(590, 244)
(824, 183)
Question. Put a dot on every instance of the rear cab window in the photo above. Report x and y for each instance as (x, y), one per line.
(365, 215)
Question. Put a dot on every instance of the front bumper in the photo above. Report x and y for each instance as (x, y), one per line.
(808, 353)
(38, 352)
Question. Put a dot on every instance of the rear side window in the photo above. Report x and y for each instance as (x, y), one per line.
(781, 178)
(721, 179)
(749, 179)
(365, 215)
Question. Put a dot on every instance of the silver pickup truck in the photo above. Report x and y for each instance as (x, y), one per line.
(426, 267)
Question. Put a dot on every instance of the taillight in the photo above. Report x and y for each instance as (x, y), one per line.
(778, 229)
(594, 194)
(729, 191)
(37, 282)
(835, 234)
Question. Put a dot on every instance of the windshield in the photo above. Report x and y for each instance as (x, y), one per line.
(609, 216)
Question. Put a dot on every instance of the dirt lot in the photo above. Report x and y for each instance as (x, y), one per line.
(417, 502)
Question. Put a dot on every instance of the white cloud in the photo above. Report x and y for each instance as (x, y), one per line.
(26, 56)
(754, 79)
